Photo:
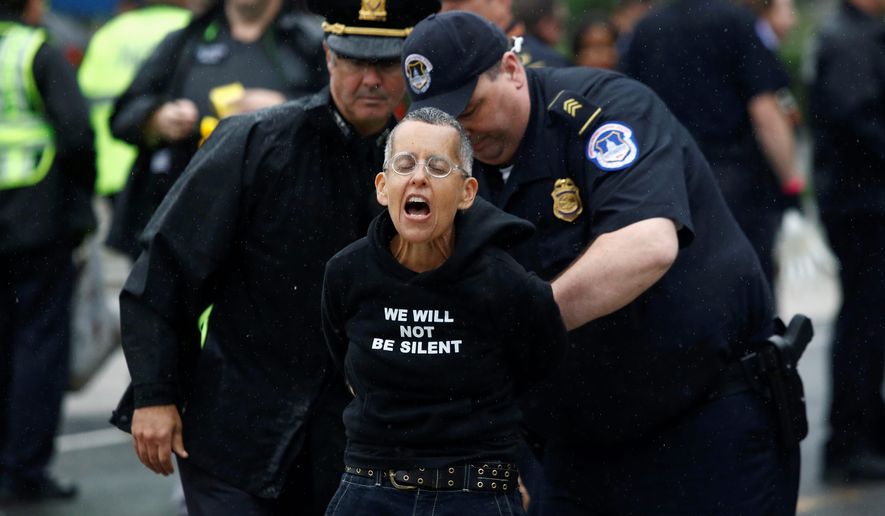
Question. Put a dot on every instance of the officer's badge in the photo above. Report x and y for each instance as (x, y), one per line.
(418, 70)
(373, 10)
(612, 147)
(567, 204)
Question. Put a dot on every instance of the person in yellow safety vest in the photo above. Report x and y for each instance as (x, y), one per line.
(115, 54)
(47, 172)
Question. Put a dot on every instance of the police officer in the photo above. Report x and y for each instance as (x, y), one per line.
(47, 171)
(662, 292)
(848, 122)
(239, 56)
(255, 415)
(705, 60)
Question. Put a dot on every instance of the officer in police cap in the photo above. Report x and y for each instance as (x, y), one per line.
(666, 300)
(254, 414)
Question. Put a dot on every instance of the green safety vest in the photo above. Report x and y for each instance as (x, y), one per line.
(115, 54)
(27, 143)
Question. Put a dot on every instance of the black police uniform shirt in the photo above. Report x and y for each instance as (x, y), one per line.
(248, 228)
(602, 152)
(434, 358)
(848, 113)
(57, 211)
(706, 61)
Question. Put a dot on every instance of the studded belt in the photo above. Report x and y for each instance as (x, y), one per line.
(471, 477)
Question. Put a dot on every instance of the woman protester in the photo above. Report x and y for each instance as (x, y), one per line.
(436, 328)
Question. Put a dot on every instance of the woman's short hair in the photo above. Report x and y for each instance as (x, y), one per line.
(434, 116)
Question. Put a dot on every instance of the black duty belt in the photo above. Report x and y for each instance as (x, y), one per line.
(485, 477)
(741, 376)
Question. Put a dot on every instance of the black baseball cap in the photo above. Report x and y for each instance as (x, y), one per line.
(444, 56)
(370, 29)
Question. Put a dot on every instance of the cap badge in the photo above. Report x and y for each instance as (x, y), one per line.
(612, 147)
(566, 200)
(418, 70)
(373, 10)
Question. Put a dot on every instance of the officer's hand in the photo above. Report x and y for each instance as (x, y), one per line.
(173, 121)
(254, 99)
(156, 432)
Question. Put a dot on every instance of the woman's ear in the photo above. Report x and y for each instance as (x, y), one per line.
(468, 193)
(381, 188)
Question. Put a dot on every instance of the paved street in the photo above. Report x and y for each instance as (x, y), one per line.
(112, 481)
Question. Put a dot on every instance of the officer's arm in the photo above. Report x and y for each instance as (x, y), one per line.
(67, 112)
(615, 269)
(187, 242)
(775, 135)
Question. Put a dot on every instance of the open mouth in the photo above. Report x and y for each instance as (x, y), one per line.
(417, 207)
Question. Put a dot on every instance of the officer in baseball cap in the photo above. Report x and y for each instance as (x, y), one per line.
(664, 296)
(460, 52)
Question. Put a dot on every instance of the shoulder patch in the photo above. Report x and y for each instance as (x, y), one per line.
(612, 147)
(575, 109)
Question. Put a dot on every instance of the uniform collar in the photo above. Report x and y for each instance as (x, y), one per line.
(325, 115)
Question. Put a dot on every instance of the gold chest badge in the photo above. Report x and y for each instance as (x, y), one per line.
(373, 10)
(566, 200)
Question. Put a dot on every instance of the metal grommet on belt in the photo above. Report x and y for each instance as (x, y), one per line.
(494, 485)
(506, 474)
(451, 483)
(481, 471)
(420, 480)
(371, 473)
(451, 471)
(479, 484)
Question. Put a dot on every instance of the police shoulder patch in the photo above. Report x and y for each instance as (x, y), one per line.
(612, 147)
(575, 109)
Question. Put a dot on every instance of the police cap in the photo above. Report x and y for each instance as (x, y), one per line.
(370, 29)
(444, 56)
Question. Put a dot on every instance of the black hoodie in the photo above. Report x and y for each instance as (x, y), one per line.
(434, 358)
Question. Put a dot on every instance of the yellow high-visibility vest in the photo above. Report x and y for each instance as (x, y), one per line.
(27, 142)
(115, 54)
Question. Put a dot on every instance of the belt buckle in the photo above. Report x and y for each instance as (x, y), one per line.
(392, 476)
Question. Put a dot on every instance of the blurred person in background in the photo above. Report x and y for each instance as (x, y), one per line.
(254, 414)
(705, 60)
(847, 114)
(47, 172)
(240, 56)
(114, 55)
(595, 43)
(532, 51)
(625, 15)
(544, 20)
(775, 21)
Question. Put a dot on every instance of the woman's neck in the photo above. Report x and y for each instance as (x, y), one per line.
(424, 256)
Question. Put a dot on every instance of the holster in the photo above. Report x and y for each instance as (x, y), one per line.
(772, 371)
